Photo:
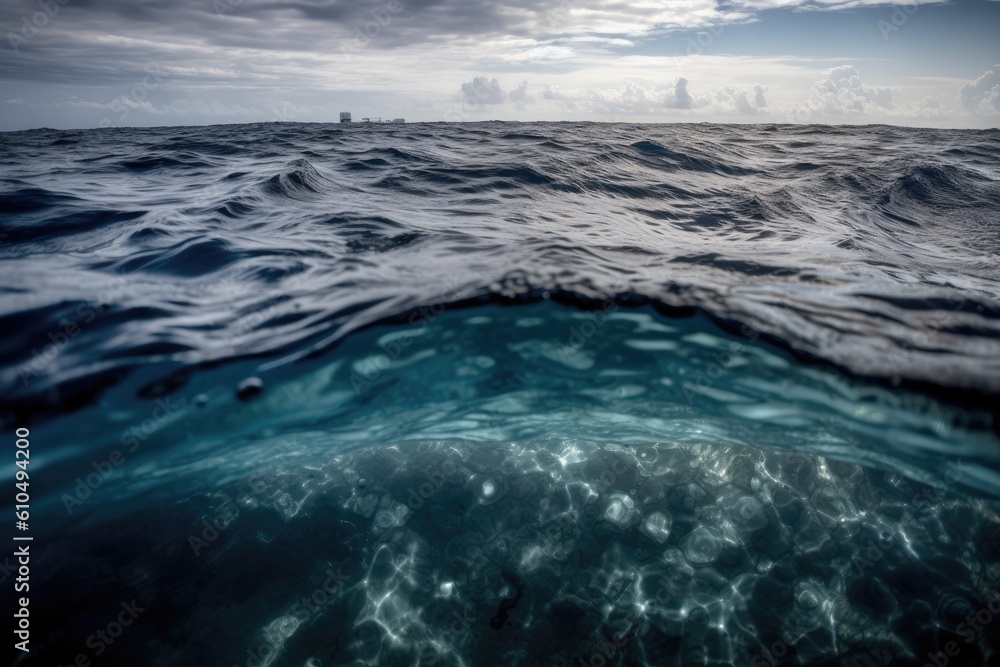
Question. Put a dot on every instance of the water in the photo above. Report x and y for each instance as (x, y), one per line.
(503, 393)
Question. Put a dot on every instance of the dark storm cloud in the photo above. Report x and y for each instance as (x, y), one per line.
(422, 20)
(294, 24)
(72, 44)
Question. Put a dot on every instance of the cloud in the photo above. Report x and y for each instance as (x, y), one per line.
(631, 97)
(132, 103)
(520, 94)
(552, 93)
(679, 97)
(483, 91)
(538, 54)
(839, 94)
(119, 103)
(749, 101)
(842, 92)
(675, 97)
(99, 41)
(983, 95)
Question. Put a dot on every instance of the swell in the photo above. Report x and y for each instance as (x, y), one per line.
(277, 241)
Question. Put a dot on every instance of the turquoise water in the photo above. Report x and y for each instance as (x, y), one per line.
(696, 497)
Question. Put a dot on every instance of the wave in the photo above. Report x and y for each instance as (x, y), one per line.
(668, 159)
(558, 383)
(299, 180)
(845, 264)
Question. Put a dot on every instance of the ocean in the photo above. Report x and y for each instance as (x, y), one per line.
(497, 393)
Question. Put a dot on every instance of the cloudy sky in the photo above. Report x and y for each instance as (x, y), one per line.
(88, 63)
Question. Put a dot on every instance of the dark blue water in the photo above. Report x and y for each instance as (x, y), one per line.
(501, 393)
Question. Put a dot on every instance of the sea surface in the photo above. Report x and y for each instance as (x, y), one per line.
(553, 394)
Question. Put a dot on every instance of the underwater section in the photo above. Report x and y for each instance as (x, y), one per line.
(526, 485)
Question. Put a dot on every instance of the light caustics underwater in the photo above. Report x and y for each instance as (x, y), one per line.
(507, 394)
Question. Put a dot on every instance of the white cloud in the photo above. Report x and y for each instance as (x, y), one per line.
(628, 98)
(119, 103)
(133, 103)
(675, 97)
(552, 93)
(520, 94)
(678, 97)
(539, 54)
(742, 100)
(636, 18)
(483, 91)
(840, 95)
(82, 104)
(983, 95)
(842, 92)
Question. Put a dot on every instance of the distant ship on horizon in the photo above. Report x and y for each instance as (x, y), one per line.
(345, 117)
